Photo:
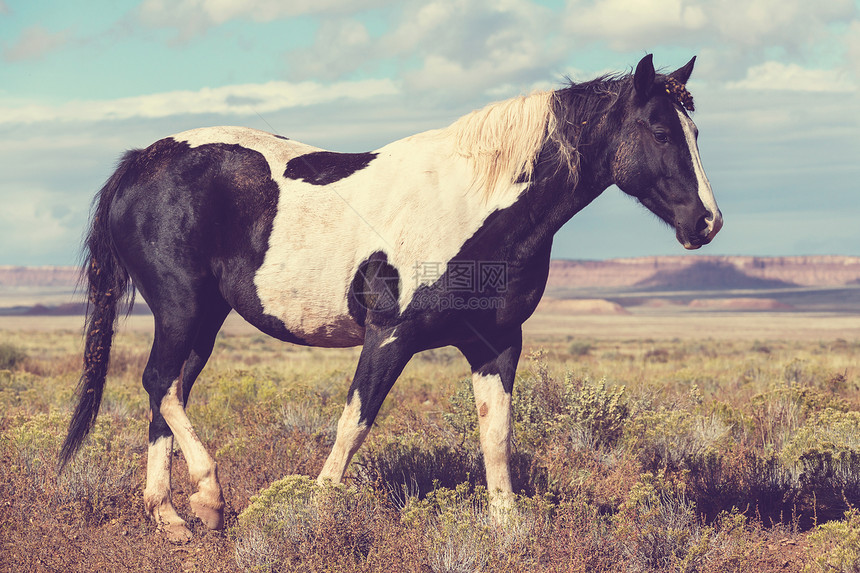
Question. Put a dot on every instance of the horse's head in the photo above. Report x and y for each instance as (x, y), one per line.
(657, 158)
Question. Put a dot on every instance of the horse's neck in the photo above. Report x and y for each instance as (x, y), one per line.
(557, 195)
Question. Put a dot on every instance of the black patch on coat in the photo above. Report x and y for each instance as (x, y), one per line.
(324, 167)
(188, 216)
(374, 291)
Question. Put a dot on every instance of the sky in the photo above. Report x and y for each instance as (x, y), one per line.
(776, 84)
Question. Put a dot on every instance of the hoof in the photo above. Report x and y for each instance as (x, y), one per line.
(212, 517)
(176, 532)
(168, 521)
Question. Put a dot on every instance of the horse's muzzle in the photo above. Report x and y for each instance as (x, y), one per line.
(705, 231)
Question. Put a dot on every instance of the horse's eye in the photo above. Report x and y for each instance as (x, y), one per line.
(661, 136)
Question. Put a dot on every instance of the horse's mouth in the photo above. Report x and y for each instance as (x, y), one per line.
(706, 230)
(695, 241)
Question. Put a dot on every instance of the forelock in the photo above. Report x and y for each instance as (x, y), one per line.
(679, 94)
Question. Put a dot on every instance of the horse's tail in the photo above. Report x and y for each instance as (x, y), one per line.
(106, 281)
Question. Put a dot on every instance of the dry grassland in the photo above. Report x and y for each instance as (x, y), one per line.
(654, 441)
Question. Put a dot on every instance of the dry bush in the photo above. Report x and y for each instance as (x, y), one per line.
(11, 356)
(306, 417)
(416, 464)
(296, 524)
(460, 534)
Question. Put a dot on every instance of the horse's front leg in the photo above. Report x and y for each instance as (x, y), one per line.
(494, 365)
(382, 360)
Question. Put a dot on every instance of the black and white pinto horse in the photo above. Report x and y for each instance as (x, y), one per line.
(441, 238)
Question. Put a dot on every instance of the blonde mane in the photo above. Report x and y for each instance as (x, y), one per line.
(503, 139)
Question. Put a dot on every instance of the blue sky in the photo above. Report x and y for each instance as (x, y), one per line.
(777, 88)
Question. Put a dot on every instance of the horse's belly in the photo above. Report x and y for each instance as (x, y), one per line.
(338, 332)
(311, 310)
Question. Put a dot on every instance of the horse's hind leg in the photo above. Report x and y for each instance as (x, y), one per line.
(183, 342)
(208, 501)
(157, 495)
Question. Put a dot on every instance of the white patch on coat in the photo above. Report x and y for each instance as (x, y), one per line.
(208, 501)
(706, 194)
(494, 422)
(351, 432)
(157, 496)
(391, 338)
(415, 202)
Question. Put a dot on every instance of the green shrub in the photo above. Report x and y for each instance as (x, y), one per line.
(580, 348)
(36, 440)
(597, 414)
(835, 546)
(671, 438)
(825, 454)
(217, 407)
(830, 433)
(586, 413)
(457, 528)
(775, 416)
(295, 517)
(589, 413)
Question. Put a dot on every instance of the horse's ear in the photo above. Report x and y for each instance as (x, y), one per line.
(643, 79)
(683, 74)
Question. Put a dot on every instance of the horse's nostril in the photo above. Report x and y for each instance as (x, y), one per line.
(703, 225)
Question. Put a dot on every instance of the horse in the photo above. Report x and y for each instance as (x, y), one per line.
(439, 239)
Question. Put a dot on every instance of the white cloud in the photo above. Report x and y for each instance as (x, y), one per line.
(733, 24)
(192, 17)
(34, 43)
(468, 49)
(341, 46)
(853, 48)
(36, 220)
(247, 99)
(790, 23)
(792, 77)
(634, 25)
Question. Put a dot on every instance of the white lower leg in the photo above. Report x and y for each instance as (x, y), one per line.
(208, 501)
(350, 434)
(494, 422)
(156, 496)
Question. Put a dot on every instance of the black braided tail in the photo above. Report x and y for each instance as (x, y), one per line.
(107, 284)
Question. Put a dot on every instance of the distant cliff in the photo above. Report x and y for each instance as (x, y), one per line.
(676, 272)
(706, 272)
